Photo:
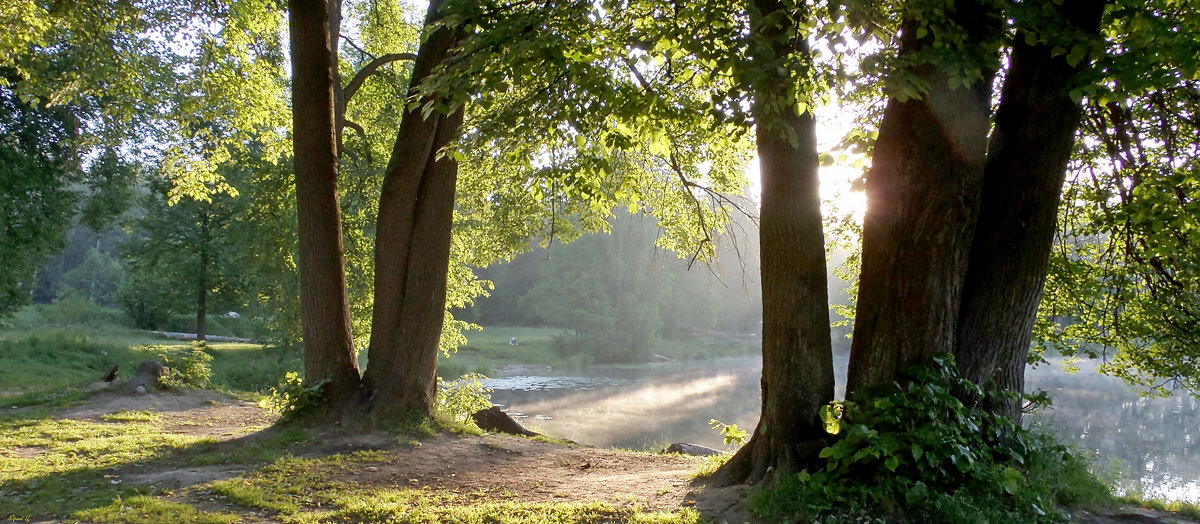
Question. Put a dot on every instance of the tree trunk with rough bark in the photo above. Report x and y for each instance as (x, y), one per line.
(923, 193)
(328, 344)
(1027, 160)
(797, 357)
(412, 248)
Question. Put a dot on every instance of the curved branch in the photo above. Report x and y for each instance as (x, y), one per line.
(371, 68)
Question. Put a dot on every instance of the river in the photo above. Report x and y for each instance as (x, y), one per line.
(1148, 445)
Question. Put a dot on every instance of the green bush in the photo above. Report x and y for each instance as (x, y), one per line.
(458, 399)
(919, 455)
(293, 398)
(192, 369)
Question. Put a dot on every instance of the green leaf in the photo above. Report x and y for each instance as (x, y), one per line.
(1012, 480)
(892, 463)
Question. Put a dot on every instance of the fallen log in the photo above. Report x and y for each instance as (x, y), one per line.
(691, 449)
(495, 420)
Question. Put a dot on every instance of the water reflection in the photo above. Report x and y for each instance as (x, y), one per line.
(1153, 443)
(637, 407)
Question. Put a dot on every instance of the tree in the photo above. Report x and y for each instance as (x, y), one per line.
(923, 192)
(930, 165)
(797, 353)
(413, 240)
(1030, 144)
(97, 279)
(181, 258)
(329, 353)
(36, 171)
(417, 201)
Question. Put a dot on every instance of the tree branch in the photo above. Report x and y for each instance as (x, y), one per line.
(371, 68)
(363, 133)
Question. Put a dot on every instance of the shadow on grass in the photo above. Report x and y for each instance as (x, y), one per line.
(77, 471)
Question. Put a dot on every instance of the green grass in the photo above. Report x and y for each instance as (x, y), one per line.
(75, 469)
(50, 360)
(52, 365)
(1184, 509)
(488, 351)
(55, 466)
(151, 510)
(710, 465)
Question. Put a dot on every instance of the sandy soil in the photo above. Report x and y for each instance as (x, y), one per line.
(493, 466)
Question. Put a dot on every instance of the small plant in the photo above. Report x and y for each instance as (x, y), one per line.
(730, 433)
(460, 398)
(293, 397)
(190, 370)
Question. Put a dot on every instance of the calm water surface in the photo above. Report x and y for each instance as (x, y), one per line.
(1150, 445)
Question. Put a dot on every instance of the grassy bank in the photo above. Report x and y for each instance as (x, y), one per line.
(56, 364)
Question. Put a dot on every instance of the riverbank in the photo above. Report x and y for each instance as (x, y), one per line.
(212, 456)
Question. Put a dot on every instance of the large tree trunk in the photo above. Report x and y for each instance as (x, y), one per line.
(325, 314)
(923, 196)
(412, 248)
(1027, 159)
(797, 357)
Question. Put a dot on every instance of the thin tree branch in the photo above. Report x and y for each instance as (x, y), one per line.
(363, 133)
(357, 47)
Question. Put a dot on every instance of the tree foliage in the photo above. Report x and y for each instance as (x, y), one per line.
(1123, 285)
(36, 173)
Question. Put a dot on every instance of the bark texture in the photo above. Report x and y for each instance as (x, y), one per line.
(923, 193)
(1027, 160)
(328, 345)
(797, 357)
(412, 248)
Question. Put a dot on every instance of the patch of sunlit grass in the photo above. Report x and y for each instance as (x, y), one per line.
(55, 466)
(131, 416)
(1184, 509)
(151, 510)
(709, 465)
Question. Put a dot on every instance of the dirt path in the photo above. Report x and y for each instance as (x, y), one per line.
(492, 467)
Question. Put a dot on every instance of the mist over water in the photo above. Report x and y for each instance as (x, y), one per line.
(1150, 445)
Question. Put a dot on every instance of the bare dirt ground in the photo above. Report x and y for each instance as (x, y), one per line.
(493, 466)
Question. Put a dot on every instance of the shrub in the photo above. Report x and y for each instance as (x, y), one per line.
(192, 369)
(918, 454)
(458, 399)
(292, 397)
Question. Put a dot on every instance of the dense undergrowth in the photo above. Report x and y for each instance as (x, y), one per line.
(918, 454)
